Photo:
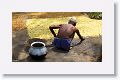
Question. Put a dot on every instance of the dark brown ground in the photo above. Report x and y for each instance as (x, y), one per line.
(90, 50)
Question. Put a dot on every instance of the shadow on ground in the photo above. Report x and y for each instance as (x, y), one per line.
(18, 42)
(90, 50)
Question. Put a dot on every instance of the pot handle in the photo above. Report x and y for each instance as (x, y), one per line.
(37, 42)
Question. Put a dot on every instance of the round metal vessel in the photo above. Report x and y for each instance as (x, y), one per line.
(38, 50)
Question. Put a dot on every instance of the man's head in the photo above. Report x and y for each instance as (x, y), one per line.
(72, 21)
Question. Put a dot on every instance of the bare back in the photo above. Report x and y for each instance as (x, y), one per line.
(66, 31)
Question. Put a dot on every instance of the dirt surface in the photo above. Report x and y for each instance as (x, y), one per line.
(90, 50)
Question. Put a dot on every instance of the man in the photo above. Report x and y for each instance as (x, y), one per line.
(65, 34)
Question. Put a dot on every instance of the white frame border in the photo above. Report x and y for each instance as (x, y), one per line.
(104, 67)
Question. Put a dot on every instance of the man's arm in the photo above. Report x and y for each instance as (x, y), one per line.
(78, 33)
(54, 27)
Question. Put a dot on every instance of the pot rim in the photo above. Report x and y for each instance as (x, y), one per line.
(37, 42)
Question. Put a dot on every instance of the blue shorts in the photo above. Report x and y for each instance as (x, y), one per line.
(62, 43)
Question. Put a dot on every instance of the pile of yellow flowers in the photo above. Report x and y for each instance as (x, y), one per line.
(40, 27)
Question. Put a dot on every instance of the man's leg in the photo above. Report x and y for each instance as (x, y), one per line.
(56, 43)
(65, 43)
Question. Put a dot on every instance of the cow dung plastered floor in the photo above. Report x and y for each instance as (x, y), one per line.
(90, 50)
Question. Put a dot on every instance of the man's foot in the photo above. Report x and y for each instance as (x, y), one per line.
(71, 47)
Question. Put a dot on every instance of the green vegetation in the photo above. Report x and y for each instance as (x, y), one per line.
(95, 15)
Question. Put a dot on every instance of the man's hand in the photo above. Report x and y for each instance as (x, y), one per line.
(82, 39)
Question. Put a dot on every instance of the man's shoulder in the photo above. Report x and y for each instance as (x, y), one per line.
(67, 25)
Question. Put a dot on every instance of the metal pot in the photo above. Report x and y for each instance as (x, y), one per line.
(38, 50)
